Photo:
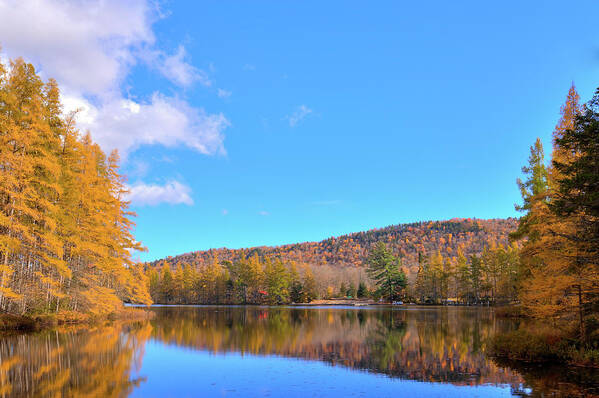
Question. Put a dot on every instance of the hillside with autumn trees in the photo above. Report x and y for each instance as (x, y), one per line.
(405, 240)
(464, 259)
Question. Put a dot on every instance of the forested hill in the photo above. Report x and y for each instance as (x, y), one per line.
(407, 240)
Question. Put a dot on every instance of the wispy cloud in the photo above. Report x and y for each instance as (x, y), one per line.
(298, 115)
(176, 68)
(225, 212)
(223, 93)
(249, 67)
(173, 192)
(263, 213)
(138, 168)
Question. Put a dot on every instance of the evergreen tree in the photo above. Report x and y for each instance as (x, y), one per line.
(351, 290)
(533, 191)
(362, 290)
(384, 269)
(296, 289)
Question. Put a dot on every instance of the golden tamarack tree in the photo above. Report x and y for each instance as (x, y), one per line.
(65, 229)
(559, 255)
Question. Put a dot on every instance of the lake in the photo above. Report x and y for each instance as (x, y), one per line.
(228, 351)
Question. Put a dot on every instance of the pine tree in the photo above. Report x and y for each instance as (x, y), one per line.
(362, 290)
(533, 191)
(296, 289)
(351, 290)
(385, 270)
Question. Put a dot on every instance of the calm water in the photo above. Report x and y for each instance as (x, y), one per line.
(280, 352)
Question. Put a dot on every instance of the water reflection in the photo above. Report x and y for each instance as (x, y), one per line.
(72, 362)
(445, 346)
(427, 345)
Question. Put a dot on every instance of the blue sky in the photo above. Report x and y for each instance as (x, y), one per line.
(247, 123)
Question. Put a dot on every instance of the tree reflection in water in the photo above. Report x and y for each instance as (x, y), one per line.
(427, 345)
(445, 345)
(73, 362)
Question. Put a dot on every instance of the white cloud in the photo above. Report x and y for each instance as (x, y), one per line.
(173, 192)
(223, 93)
(125, 124)
(263, 213)
(86, 46)
(90, 48)
(300, 114)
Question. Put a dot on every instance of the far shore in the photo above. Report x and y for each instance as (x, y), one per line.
(512, 310)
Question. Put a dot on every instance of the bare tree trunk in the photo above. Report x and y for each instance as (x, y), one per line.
(581, 315)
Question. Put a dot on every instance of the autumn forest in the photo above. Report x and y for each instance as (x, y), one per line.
(66, 235)
(299, 199)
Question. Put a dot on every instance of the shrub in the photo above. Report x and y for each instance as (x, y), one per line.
(542, 346)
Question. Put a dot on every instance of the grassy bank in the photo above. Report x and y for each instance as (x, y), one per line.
(11, 322)
(510, 311)
(547, 345)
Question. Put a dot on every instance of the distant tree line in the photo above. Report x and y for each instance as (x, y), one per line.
(491, 278)
(254, 280)
(247, 281)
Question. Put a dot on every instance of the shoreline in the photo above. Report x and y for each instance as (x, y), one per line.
(25, 323)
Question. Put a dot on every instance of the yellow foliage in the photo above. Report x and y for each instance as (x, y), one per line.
(65, 231)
